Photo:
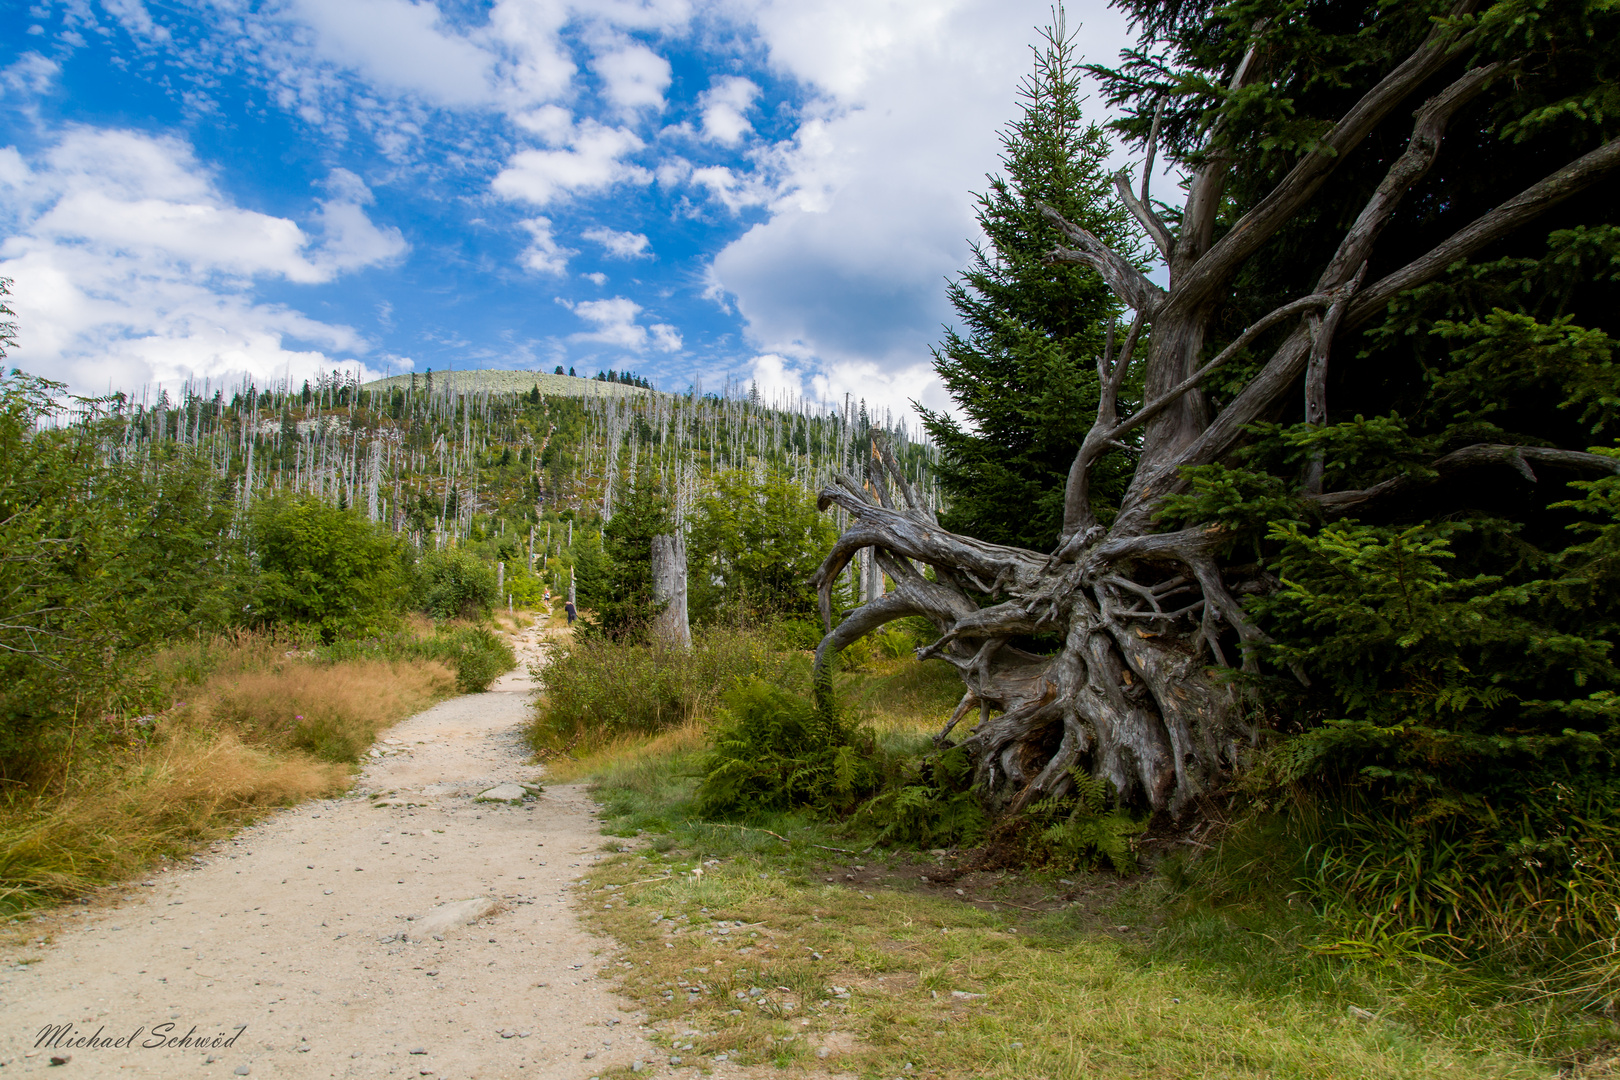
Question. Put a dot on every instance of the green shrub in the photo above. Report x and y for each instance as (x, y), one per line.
(596, 690)
(477, 654)
(1089, 828)
(893, 641)
(775, 750)
(324, 567)
(455, 585)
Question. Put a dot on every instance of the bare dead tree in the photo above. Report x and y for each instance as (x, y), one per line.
(1147, 619)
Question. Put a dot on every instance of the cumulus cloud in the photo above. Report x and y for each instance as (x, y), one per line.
(724, 106)
(620, 245)
(633, 77)
(615, 324)
(591, 161)
(131, 265)
(868, 202)
(544, 255)
(28, 76)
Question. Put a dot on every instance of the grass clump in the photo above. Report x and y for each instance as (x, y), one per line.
(763, 958)
(330, 711)
(1083, 971)
(595, 692)
(477, 654)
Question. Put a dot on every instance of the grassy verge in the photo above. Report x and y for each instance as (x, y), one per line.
(786, 941)
(253, 726)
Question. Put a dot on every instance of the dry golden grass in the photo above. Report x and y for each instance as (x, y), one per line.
(161, 799)
(513, 622)
(631, 750)
(331, 711)
(258, 726)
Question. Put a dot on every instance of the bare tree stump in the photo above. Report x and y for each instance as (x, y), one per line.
(669, 590)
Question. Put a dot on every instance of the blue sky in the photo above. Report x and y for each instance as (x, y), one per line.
(692, 191)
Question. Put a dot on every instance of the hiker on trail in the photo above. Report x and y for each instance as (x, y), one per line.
(572, 612)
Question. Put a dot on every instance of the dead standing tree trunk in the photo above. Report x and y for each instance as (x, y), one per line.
(670, 626)
(1147, 619)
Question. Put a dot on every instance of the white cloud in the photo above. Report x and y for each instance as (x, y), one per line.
(734, 189)
(869, 205)
(591, 162)
(633, 77)
(615, 322)
(665, 338)
(130, 265)
(400, 45)
(544, 255)
(134, 17)
(29, 76)
(620, 245)
(596, 278)
(349, 238)
(724, 106)
(552, 123)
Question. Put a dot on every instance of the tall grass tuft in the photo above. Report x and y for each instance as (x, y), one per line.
(596, 692)
(329, 711)
(476, 654)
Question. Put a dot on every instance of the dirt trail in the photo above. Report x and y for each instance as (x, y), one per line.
(292, 929)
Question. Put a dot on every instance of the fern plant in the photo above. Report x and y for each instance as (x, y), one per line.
(932, 805)
(775, 750)
(1094, 829)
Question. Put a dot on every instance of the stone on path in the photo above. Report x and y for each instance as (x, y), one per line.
(507, 793)
(447, 917)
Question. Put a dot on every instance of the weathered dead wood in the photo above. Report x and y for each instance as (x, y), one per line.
(1518, 458)
(1131, 632)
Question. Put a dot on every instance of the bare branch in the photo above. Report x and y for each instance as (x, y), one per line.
(1516, 457)
(1266, 322)
(1077, 516)
(1152, 151)
(913, 501)
(1428, 131)
(914, 536)
(1288, 362)
(1204, 193)
(1322, 331)
(1144, 214)
(1575, 177)
(1127, 282)
(1202, 278)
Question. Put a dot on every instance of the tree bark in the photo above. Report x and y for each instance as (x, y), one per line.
(670, 626)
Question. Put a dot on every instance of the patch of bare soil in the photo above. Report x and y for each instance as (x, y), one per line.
(1086, 898)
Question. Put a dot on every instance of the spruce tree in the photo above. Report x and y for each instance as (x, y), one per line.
(1023, 367)
(640, 512)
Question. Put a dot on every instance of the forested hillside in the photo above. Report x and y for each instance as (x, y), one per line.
(450, 461)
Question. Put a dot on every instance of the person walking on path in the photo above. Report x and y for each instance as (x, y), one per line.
(572, 611)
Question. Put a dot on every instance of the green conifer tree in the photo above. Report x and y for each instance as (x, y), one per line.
(1023, 367)
(626, 607)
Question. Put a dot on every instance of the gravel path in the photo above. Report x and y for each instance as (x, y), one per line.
(297, 933)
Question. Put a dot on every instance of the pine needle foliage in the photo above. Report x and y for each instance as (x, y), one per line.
(1023, 368)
